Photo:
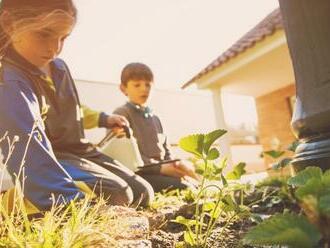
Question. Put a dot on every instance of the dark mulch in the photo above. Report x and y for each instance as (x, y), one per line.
(165, 234)
(162, 239)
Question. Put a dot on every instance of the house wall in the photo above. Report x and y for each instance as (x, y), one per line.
(274, 117)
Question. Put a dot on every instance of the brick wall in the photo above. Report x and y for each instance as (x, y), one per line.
(274, 117)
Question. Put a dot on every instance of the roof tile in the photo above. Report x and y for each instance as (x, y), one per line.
(265, 28)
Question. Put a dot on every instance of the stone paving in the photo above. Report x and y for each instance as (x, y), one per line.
(135, 229)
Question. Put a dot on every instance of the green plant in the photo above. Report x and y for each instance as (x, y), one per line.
(278, 193)
(279, 155)
(305, 230)
(172, 198)
(272, 195)
(223, 205)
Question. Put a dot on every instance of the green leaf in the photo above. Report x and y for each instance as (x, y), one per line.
(303, 176)
(256, 218)
(188, 195)
(211, 137)
(327, 173)
(223, 163)
(200, 167)
(183, 221)
(276, 200)
(326, 181)
(208, 206)
(274, 154)
(324, 204)
(215, 214)
(284, 229)
(237, 172)
(293, 146)
(229, 204)
(312, 187)
(213, 154)
(217, 170)
(210, 171)
(193, 144)
(243, 210)
(189, 237)
(224, 181)
(282, 163)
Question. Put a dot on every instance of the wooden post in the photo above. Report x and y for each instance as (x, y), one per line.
(221, 124)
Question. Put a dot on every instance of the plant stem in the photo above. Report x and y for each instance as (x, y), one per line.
(189, 232)
(212, 219)
(198, 225)
(197, 217)
(264, 198)
(227, 223)
(242, 197)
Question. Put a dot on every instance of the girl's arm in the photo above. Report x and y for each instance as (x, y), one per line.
(91, 117)
(42, 175)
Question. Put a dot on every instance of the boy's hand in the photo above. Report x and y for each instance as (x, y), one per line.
(116, 124)
(178, 169)
(119, 132)
(171, 170)
(187, 168)
(116, 121)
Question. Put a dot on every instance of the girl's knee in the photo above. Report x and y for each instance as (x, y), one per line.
(150, 194)
(116, 191)
(144, 192)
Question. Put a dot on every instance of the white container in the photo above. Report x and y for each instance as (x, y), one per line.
(124, 150)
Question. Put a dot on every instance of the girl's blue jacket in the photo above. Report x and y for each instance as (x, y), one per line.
(31, 157)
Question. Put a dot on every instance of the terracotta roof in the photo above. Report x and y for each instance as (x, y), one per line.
(265, 28)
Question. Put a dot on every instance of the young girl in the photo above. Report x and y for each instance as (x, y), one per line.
(38, 97)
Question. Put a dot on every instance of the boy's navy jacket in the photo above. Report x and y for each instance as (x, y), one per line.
(24, 111)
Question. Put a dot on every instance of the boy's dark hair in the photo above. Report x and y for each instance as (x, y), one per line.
(136, 71)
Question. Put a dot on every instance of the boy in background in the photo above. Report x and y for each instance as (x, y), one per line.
(136, 83)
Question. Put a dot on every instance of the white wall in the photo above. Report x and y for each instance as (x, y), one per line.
(181, 112)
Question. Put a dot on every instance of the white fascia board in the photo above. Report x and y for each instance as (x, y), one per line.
(243, 59)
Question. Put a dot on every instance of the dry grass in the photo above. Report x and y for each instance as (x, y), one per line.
(85, 223)
(81, 224)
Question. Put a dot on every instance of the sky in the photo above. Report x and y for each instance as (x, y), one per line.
(176, 38)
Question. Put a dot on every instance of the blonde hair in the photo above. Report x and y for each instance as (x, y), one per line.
(26, 15)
